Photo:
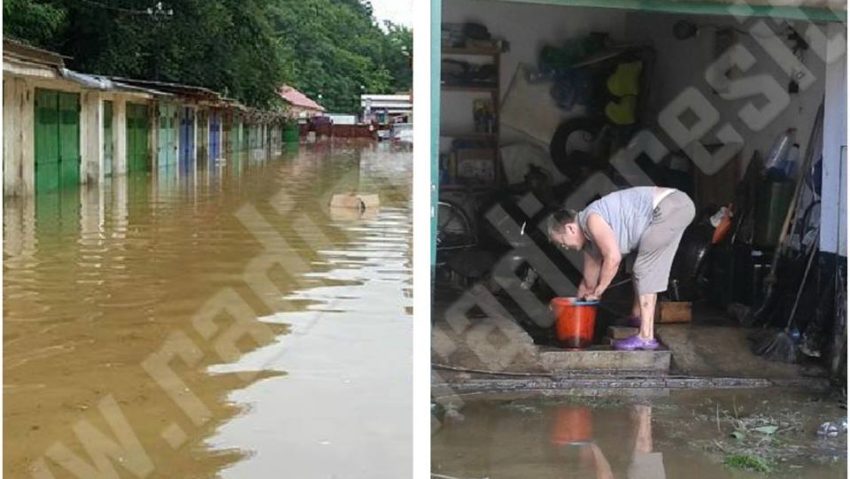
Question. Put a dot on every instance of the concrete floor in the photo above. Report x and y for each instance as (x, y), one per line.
(489, 340)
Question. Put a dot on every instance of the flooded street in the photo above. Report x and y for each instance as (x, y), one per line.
(223, 322)
(670, 434)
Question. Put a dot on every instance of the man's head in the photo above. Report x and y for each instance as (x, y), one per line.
(564, 230)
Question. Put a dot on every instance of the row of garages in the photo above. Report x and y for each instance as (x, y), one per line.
(64, 128)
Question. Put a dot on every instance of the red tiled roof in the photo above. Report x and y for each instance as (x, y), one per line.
(296, 98)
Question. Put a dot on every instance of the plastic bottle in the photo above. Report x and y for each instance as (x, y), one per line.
(792, 161)
(773, 164)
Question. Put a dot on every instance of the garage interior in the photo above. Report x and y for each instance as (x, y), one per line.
(555, 103)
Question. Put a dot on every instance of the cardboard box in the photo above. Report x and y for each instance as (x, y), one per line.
(476, 164)
(673, 312)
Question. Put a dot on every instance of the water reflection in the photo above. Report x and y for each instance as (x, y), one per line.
(573, 426)
(651, 434)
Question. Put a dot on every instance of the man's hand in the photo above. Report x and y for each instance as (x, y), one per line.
(594, 295)
(583, 290)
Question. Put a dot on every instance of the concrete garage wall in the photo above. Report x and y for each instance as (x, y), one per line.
(681, 64)
(834, 186)
(528, 27)
(19, 127)
(18, 118)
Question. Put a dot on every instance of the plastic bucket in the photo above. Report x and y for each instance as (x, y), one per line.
(575, 321)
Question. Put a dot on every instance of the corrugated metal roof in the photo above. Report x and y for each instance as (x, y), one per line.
(172, 88)
(22, 59)
(98, 82)
(20, 50)
(296, 98)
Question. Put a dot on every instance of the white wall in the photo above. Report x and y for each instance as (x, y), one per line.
(527, 27)
(834, 181)
(342, 118)
(683, 63)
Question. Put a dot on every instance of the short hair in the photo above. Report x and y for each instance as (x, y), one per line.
(559, 219)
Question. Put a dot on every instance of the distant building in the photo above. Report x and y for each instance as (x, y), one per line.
(300, 105)
(387, 108)
(342, 118)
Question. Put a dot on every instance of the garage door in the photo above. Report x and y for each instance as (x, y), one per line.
(215, 136)
(57, 140)
(167, 136)
(187, 137)
(137, 138)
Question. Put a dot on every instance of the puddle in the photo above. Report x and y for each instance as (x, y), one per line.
(311, 359)
(665, 434)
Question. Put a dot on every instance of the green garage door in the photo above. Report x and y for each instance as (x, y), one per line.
(57, 140)
(137, 138)
(238, 134)
(167, 136)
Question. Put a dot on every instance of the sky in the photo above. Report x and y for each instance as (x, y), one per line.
(396, 11)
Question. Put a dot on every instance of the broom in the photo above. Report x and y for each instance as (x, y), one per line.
(779, 345)
(770, 282)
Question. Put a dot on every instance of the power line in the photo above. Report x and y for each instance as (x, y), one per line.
(119, 9)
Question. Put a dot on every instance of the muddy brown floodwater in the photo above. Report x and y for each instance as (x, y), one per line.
(721, 434)
(220, 322)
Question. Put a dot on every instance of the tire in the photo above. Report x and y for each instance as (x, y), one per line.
(572, 163)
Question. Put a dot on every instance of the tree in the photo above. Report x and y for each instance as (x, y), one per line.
(332, 50)
(336, 50)
(398, 55)
(35, 21)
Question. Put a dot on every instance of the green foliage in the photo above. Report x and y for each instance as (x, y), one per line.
(332, 50)
(398, 55)
(338, 52)
(37, 21)
(747, 463)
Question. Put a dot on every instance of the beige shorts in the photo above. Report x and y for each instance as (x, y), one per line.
(660, 241)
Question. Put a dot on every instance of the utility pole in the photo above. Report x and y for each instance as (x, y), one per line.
(159, 15)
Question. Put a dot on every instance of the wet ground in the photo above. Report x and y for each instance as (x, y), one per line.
(659, 434)
(222, 322)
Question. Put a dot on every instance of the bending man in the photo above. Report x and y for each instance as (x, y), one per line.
(647, 219)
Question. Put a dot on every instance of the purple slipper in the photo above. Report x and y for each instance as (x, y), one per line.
(633, 343)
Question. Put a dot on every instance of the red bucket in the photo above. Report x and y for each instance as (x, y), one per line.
(575, 321)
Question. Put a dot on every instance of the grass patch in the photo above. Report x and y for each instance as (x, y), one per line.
(747, 462)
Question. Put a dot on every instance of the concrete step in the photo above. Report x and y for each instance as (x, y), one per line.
(603, 359)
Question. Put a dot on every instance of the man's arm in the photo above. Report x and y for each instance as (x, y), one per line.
(590, 274)
(604, 239)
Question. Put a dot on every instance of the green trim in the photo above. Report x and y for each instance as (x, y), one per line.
(705, 8)
(436, 27)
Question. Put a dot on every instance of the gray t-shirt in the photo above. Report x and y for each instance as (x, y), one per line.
(628, 212)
